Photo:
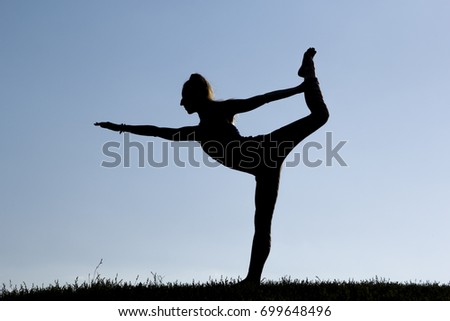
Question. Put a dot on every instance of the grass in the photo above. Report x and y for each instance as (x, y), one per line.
(285, 289)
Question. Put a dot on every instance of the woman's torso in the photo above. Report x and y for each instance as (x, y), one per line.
(221, 140)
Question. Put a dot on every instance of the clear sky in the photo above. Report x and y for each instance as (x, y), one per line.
(384, 70)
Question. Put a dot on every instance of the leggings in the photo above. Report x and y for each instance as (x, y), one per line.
(267, 174)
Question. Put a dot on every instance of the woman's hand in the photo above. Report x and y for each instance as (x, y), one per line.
(111, 126)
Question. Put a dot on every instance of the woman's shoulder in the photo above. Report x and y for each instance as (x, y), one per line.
(211, 111)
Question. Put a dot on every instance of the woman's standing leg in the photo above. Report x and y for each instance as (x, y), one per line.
(267, 179)
(265, 198)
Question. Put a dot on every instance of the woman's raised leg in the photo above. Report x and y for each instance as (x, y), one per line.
(289, 136)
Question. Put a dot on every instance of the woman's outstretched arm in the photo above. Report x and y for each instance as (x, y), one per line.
(175, 134)
(237, 106)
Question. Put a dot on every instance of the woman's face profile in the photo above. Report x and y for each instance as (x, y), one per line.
(187, 104)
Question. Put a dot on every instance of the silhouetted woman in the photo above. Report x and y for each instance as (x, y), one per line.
(261, 156)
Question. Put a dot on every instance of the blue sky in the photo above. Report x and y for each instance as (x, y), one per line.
(383, 67)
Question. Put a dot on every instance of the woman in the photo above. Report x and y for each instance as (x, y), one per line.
(261, 156)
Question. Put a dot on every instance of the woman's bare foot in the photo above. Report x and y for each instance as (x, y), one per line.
(307, 69)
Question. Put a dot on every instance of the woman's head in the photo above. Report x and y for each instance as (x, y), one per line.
(196, 91)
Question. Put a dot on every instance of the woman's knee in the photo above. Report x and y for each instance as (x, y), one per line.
(321, 116)
(263, 237)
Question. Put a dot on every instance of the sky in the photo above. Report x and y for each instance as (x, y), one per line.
(383, 68)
